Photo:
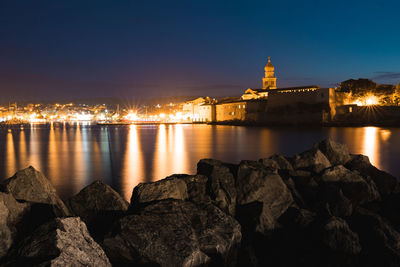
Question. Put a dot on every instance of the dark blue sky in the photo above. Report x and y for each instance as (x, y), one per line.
(64, 49)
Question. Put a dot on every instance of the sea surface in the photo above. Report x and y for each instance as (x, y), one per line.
(74, 155)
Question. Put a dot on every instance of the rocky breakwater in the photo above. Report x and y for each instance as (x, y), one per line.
(322, 207)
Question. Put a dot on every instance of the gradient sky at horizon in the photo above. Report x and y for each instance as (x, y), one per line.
(79, 49)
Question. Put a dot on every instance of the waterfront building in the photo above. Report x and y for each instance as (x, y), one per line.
(230, 109)
(238, 109)
(312, 94)
(198, 110)
(207, 112)
(271, 104)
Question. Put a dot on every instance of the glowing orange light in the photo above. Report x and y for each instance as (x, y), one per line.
(371, 100)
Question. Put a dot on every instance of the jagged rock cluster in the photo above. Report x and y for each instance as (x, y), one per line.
(323, 207)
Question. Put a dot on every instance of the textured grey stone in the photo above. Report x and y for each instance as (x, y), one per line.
(312, 160)
(61, 242)
(98, 205)
(174, 233)
(336, 153)
(354, 187)
(255, 184)
(170, 187)
(32, 186)
(220, 185)
(11, 214)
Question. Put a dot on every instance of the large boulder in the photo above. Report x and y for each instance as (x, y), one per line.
(262, 194)
(385, 182)
(332, 195)
(196, 187)
(61, 242)
(174, 233)
(220, 185)
(336, 153)
(312, 160)
(354, 187)
(306, 185)
(170, 187)
(380, 242)
(11, 214)
(338, 237)
(281, 162)
(98, 205)
(30, 185)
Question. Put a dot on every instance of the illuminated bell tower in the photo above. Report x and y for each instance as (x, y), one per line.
(269, 81)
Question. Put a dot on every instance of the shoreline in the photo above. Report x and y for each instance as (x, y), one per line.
(227, 123)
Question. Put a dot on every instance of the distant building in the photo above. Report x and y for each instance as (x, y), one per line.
(237, 109)
(312, 94)
(255, 94)
(192, 109)
(230, 109)
(207, 112)
(269, 104)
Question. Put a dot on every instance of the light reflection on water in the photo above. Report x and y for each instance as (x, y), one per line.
(74, 155)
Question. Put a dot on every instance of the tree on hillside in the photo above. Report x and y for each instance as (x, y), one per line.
(357, 87)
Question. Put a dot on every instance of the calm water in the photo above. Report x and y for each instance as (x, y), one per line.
(74, 155)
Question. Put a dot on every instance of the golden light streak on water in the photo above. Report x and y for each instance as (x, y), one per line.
(133, 163)
(53, 157)
(371, 145)
(79, 160)
(11, 166)
(34, 148)
(178, 150)
(105, 151)
(22, 151)
(160, 162)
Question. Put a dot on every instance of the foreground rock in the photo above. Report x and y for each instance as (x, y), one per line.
(262, 196)
(385, 182)
(322, 207)
(11, 216)
(98, 205)
(336, 153)
(312, 160)
(380, 242)
(220, 185)
(170, 187)
(29, 185)
(174, 233)
(356, 188)
(61, 242)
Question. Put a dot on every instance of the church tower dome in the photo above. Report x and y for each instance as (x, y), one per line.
(269, 81)
(269, 67)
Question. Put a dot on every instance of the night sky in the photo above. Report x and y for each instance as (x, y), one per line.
(71, 49)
